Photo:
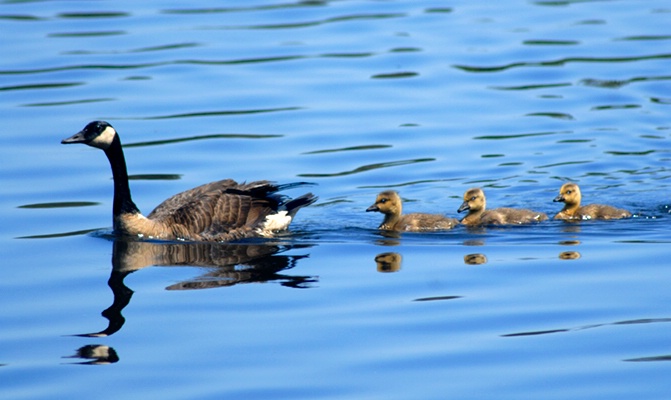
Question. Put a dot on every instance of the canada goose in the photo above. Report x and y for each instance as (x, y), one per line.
(570, 195)
(217, 211)
(476, 204)
(390, 204)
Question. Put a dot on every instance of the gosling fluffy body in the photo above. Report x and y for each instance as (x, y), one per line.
(476, 205)
(570, 195)
(218, 211)
(389, 203)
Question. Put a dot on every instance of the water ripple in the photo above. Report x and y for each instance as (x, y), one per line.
(61, 204)
(520, 135)
(368, 167)
(551, 42)
(351, 148)
(154, 177)
(561, 62)
(532, 86)
(395, 75)
(202, 137)
(40, 86)
(307, 24)
(88, 14)
(221, 113)
(68, 103)
(556, 115)
(17, 17)
(86, 34)
(265, 7)
(252, 60)
(645, 37)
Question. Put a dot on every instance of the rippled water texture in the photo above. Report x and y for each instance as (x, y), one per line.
(429, 98)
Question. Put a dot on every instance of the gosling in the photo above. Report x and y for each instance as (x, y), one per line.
(475, 203)
(390, 204)
(569, 194)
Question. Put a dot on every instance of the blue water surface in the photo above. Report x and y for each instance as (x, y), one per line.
(429, 98)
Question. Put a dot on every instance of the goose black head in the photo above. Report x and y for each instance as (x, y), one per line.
(99, 134)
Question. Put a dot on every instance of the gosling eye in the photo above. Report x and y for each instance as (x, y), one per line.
(383, 201)
(474, 197)
(568, 192)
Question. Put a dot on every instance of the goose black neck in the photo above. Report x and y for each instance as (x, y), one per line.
(123, 203)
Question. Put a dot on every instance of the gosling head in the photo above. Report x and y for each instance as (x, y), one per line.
(388, 203)
(98, 134)
(569, 194)
(474, 200)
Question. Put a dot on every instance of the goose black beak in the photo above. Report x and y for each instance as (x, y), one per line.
(76, 138)
(464, 206)
(558, 199)
(373, 208)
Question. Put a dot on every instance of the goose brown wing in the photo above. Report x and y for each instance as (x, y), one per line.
(180, 200)
(223, 210)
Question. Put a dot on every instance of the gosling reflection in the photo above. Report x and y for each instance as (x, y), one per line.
(388, 262)
(475, 259)
(96, 354)
(230, 264)
(569, 255)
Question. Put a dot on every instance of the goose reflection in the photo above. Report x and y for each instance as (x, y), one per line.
(229, 264)
(96, 354)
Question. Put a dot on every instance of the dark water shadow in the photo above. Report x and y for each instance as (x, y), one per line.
(227, 264)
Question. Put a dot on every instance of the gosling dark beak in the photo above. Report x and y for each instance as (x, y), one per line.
(374, 207)
(76, 138)
(559, 199)
(464, 207)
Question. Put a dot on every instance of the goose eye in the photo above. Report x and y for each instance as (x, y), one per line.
(568, 192)
(473, 198)
(383, 201)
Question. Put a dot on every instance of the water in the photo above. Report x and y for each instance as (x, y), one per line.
(428, 98)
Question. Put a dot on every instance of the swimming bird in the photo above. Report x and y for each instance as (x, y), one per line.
(218, 211)
(569, 194)
(390, 204)
(476, 204)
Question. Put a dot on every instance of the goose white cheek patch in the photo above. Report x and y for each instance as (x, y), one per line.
(104, 140)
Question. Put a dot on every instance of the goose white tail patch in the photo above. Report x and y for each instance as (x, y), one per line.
(104, 139)
(275, 222)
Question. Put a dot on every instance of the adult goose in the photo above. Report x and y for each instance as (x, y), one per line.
(218, 211)
(390, 204)
(476, 204)
(570, 195)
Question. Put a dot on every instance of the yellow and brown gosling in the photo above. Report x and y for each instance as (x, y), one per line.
(390, 204)
(569, 194)
(476, 204)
